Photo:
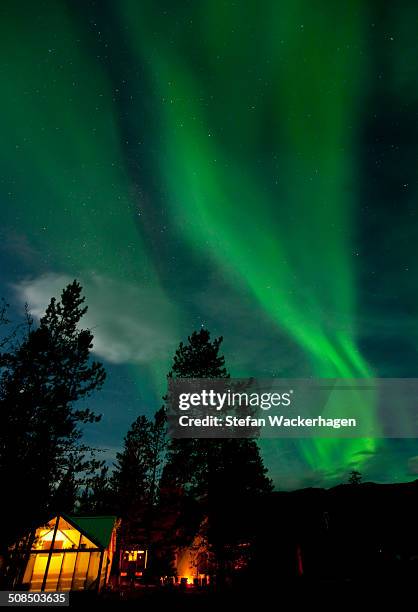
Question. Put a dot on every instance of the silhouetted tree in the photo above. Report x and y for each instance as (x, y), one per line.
(158, 446)
(135, 481)
(96, 496)
(225, 475)
(45, 370)
(354, 477)
(65, 496)
(130, 477)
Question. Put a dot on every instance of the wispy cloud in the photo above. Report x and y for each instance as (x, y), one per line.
(131, 324)
(18, 245)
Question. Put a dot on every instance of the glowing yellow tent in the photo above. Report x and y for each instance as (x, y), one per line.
(71, 554)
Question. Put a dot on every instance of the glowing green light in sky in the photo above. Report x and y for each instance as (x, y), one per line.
(287, 233)
(147, 145)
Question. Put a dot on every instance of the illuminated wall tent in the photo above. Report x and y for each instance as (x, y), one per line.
(71, 554)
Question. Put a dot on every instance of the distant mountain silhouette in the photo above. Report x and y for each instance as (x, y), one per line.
(346, 532)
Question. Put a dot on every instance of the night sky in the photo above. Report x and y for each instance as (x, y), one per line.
(249, 166)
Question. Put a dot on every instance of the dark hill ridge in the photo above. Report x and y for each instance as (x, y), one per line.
(347, 531)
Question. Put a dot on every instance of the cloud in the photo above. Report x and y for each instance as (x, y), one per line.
(17, 244)
(130, 323)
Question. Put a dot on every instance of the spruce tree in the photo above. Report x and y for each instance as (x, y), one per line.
(96, 496)
(135, 481)
(130, 476)
(355, 477)
(225, 476)
(45, 370)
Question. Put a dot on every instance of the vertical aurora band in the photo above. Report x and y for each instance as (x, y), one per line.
(274, 202)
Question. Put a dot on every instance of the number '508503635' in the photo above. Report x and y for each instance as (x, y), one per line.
(36, 598)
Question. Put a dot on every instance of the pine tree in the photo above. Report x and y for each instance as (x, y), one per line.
(225, 475)
(65, 496)
(158, 447)
(96, 496)
(354, 477)
(45, 370)
(130, 478)
(135, 481)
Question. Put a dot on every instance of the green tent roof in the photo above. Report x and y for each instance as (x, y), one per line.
(98, 527)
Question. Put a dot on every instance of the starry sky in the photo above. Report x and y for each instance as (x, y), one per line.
(249, 166)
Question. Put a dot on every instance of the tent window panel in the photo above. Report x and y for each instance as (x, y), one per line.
(67, 572)
(27, 577)
(80, 571)
(54, 571)
(86, 543)
(93, 569)
(67, 537)
(44, 535)
(38, 571)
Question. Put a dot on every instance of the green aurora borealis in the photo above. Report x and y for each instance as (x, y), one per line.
(249, 166)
